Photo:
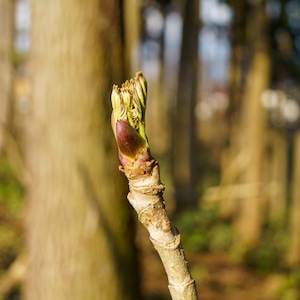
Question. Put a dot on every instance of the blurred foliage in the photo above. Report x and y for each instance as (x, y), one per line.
(269, 254)
(282, 286)
(11, 191)
(209, 173)
(204, 231)
(18, 59)
(11, 206)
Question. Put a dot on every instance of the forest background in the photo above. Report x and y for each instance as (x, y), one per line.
(222, 119)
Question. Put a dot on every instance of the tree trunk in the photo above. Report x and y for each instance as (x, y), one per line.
(79, 238)
(294, 250)
(132, 32)
(232, 160)
(250, 216)
(277, 177)
(6, 26)
(237, 34)
(252, 133)
(184, 127)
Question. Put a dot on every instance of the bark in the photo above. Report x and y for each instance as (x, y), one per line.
(277, 177)
(146, 196)
(79, 238)
(249, 220)
(146, 190)
(6, 34)
(293, 256)
(184, 126)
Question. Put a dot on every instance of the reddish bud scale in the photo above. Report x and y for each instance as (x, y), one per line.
(130, 143)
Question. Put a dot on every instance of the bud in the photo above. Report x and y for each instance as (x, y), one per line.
(141, 88)
(128, 119)
(130, 143)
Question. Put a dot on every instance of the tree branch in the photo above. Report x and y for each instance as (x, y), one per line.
(146, 189)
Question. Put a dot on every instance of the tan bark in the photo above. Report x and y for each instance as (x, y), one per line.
(234, 163)
(6, 21)
(294, 250)
(146, 196)
(79, 240)
(277, 177)
(249, 220)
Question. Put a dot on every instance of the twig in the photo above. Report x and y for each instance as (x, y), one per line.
(14, 275)
(146, 189)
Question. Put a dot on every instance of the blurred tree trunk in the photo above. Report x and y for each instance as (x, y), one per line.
(6, 35)
(232, 160)
(294, 250)
(237, 35)
(252, 133)
(184, 127)
(277, 177)
(79, 238)
(132, 32)
(159, 119)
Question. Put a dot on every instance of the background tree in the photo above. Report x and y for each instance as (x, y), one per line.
(6, 37)
(252, 135)
(244, 165)
(294, 250)
(229, 163)
(184, 124)
(79, 238)
(132, 35)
